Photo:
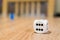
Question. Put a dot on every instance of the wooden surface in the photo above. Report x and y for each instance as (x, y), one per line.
(22, 29)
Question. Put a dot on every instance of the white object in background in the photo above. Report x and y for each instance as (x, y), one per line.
(40, 26)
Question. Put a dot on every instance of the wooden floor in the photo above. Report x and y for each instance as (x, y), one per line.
(22, 29)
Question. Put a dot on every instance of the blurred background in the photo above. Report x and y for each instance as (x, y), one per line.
(30, 8)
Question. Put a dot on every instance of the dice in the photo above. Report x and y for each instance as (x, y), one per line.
(40, 26)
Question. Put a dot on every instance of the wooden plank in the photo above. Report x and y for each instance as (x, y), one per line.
(51, 6)
(16, 9)
(4, 7)
(27, 8)
(22, 8)
(23, 0)
(32, 8)
(4, 10)
(38, 9)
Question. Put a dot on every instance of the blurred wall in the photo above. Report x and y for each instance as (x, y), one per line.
(57, 6)
(50, 9)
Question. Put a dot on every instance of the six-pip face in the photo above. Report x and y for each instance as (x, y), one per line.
(40, 26)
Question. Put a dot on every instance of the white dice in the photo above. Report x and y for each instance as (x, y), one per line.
(40, 26)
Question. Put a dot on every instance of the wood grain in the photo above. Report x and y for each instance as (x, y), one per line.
(22, 29)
